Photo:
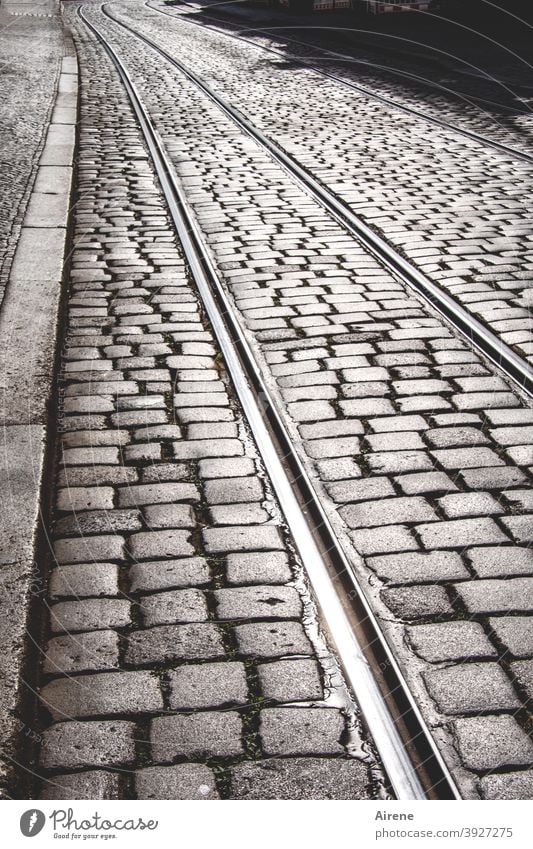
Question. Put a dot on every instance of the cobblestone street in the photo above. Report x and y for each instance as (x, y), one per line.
(179, 647)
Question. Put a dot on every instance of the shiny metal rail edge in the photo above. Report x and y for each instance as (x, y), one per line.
(337, 611)
(307, 62)
(471, 328)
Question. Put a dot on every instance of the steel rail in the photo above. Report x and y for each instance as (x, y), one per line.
(470, 327)
(388, 708)
(307, 63)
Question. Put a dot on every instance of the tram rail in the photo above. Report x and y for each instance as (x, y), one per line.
(505, 149)
(477, 333)
(414, 766)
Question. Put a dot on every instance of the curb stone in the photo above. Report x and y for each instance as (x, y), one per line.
(28, 328)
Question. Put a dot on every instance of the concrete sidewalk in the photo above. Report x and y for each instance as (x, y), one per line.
(28, 328)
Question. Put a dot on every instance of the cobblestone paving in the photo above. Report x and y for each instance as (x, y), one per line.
(27, 91)
(459, 211)
(184, 658)
(382, 74)
(403, 427)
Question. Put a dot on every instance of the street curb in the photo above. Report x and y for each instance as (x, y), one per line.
(29, 331)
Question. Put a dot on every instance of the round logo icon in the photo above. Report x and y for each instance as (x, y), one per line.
(32, 822)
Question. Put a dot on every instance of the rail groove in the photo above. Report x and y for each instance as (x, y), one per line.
(471, 328)
(409, 755)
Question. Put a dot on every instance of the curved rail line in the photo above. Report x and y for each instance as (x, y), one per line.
(470, 327)
(508, 150)
(409, 755)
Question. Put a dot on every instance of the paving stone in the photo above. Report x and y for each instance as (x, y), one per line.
(456, 506)
(200, 735)
(290, 680)
(157, 493)
(448, 437)
(232, 467)
(390, 538)
(398, 423)
(92, 614)
(98, 522)
(412, 603)
(460, 533)
(451, 641)
(173, 606)
(366, 408)
(425, 483)
(492, 478)
(259, 602)
(520, 528)
(491, 742)
(509, 785)
(168, 643)
(331, 428)
(85, 498)
(89, 456)
(165, 472)
(415, 567)
(78, 745)
(82, 652)
(272, 639)
(515, 633)
(523, 673)
(101, 694)
(258, 567)
(202, 448)
(183, 781)
(96, 475)
(301, 731)
(300, 778)
(398, 441)
(310, 411)
(233, 490)
(243, 514)
(340, 447)
(360, 490)
(87, 579)
(339, 469)
(512, 435)
(167, 574)
(466, 458)
(208, 685)
(245, 538)
(387, 511)
(471, 688)
(496, 596)
(89, 549)
(396, 462)
(93, 784)
(169, 516)
(155, 544)
(495, 561)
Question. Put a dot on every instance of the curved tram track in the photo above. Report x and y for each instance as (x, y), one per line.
(414, 766)
(500, 147)
(477, 333)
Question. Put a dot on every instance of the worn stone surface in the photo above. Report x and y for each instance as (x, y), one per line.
(299, 778)
(72, 745)
(301, 731)
(391, 409)
(93, 784)
(184, 781)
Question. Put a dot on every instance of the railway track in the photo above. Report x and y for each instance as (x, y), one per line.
(505, 149)
(471, 328)
(411, 760)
